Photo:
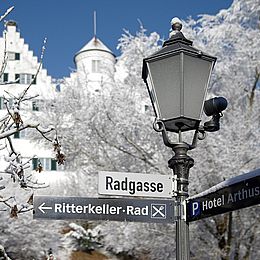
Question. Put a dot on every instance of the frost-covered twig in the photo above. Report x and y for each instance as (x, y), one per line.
(5, 201)
(14, 130)
(16, 209)
(3, 254)
(30, 98)
(8, 11)
(4, 62)
(44, 132)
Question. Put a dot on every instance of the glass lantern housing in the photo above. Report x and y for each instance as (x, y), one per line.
(177, 78)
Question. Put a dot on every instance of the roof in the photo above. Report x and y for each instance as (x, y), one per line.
(11, 23)
(94, 44)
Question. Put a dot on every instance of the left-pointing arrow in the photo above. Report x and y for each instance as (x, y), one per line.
(42, 207)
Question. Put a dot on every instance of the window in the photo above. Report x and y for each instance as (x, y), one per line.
(11, 102)
(96, 66)
(58, 87)
(17, 56)
(13, 55)
(2, 104)
(53, 165)
(48, 164)
(4, 78)
(34, 163)
(35, 105)
(20, 134)
(17, 135)
(25, 78)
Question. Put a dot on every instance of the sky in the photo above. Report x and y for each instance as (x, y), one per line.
(69, 24)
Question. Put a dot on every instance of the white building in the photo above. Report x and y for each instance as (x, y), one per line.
(95, 65)
(18, 72)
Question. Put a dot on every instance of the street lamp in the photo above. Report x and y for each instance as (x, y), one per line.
(177, 78)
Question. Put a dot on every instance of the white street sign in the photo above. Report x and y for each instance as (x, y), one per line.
(134, 184)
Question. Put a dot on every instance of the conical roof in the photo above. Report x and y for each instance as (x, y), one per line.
(93, 45)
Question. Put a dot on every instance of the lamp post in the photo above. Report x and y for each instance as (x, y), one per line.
(177, 78)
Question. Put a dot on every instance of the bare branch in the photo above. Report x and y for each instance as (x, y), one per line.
(252, 92)
(121, 149)
(29, 98)
(8, 11)
(4, 62)
(14, 130)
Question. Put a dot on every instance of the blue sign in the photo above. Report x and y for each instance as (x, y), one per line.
(195, 208)
(236, 193)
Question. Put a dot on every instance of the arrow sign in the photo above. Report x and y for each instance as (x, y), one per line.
(140, 210)
(42, 208)
(236, 193)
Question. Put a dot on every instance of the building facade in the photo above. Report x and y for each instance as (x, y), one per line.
(19, 69)
(95, 64)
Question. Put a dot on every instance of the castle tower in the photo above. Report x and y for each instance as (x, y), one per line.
(95, 63)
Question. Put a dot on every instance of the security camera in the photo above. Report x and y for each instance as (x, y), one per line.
(214, 107)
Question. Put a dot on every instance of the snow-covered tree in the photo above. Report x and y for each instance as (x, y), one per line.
(232, 36)
(112, 123)
(113, 131)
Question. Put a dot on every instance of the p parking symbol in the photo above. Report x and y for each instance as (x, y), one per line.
(195, 208)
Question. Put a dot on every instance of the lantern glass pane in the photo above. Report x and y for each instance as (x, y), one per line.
(166, 82)
(196, 77)
(152, 95)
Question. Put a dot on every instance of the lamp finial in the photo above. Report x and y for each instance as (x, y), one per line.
(176, 26)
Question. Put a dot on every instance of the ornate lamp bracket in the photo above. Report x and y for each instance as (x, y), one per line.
(199, 134)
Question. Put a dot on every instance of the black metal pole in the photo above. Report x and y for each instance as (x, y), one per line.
(181, 163)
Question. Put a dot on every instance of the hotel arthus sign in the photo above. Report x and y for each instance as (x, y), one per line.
(236, 193)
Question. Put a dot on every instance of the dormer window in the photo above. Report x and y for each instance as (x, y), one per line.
(13, 55)
(95, 66)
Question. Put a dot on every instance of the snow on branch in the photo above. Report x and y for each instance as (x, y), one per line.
(8, 11)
